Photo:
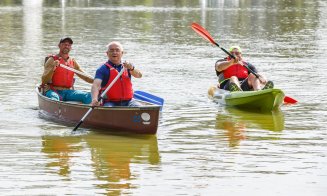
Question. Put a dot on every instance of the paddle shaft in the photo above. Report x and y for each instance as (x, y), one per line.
(75, 71)
(100, 98)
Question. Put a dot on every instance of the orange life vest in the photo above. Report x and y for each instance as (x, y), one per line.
(122, 89)
(63, 77)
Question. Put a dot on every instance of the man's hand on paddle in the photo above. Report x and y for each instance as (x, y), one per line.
(236, 60)
(128, 65)
(55, 64)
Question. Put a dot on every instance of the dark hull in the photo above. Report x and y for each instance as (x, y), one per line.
(143, 120)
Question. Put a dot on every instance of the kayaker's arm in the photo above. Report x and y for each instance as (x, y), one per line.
(261, 77)
(220, 66)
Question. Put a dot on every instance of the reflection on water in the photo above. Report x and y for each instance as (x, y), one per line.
(32, 20)
(110, 157)
(237, 122)
(60, 150)
(32, 37)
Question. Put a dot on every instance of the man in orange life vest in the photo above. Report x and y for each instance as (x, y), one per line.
(58, 81)
(234, 76)
(121, 93)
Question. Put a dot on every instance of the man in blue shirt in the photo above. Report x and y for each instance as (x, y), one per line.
(121, 92)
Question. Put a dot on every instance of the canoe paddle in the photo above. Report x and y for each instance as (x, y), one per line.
(75, 71)
(206, 35)
(100, 98)
(144, 96)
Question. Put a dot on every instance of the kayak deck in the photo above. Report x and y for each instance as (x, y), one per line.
(262, 100)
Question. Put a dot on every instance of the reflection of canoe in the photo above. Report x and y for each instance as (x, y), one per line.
(143, 148)
(112, 156)
(142, 119)
(262, 100)
(273, 121)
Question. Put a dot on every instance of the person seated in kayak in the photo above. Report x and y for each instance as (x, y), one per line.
(234, 76)
(57, 82)
(121, 92)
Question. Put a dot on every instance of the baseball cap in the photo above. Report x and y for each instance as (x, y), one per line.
(235, 47)
(64, 39)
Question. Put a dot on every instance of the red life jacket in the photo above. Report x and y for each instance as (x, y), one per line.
(237, 70)
(122, 89)
(63, 77)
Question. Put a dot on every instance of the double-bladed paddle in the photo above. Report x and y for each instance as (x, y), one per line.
(206, 35)
(100, 98)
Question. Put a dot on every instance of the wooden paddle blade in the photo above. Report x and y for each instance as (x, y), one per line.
(203, 32)
(144, 96)
(289, 100)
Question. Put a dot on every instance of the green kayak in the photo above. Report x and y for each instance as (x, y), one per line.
(262, 100)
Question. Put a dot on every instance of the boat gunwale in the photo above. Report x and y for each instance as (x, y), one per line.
(242, 94)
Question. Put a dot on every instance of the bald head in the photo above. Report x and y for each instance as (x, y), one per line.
(115, 44)
(115, 52)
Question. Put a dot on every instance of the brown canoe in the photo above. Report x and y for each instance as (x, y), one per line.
(142, 119)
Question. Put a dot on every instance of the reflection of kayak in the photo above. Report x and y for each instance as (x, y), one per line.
(273, 121)
(262, 100)
(237, 123)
